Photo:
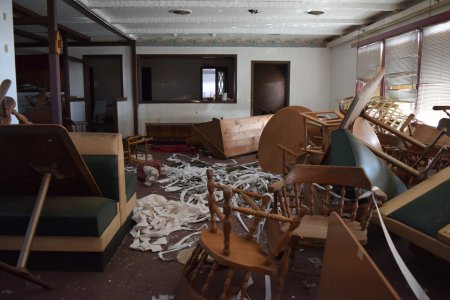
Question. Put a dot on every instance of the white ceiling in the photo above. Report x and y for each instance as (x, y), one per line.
(279, 22)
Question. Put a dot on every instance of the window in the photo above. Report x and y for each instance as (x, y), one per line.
(417, 65)
(434, 87)
(214, 83)
(401, 65)
(187, 78)
(146, 83)
(369, 60)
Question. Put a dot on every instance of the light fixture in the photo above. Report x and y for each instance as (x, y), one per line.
(315, 12)
(180, 11)
(254, 11)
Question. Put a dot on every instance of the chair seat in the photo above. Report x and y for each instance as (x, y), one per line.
(244, 254)
(315, 229)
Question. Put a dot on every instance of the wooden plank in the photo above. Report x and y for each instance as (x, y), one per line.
(209, 135)
(242, 135)
(348, 271)
(239, 150)
(244, 124)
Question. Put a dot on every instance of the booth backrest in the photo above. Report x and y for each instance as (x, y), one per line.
(347, 150)
(103, 154)
(425, 207)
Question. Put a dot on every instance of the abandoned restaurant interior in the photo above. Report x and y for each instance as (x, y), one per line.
(224, 149)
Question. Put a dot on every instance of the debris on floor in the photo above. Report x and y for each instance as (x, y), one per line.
(157, 217)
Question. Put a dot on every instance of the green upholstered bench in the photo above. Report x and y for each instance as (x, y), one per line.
(103, 154)
(421, 215)
(61, 215)
(347, 150)
(77, 230)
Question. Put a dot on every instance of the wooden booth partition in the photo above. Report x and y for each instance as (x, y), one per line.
(231, 137)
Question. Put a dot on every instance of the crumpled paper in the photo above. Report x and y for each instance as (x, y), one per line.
(156, 217)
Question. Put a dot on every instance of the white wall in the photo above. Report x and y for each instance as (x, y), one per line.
(309, 86)
(343, 73)
(7, 61)
(310, 83)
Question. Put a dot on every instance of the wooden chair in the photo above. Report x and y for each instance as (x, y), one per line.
(136, 148)
(75, 126)
(224, 248)
(323, 189)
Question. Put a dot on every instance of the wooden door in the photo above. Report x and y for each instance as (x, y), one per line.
(270, 87)
(102, 86)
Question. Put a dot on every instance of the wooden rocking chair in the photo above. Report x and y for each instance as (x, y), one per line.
(323, 189)
(224, 248)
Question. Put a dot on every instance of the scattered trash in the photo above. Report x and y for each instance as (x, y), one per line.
(157, 217)
(308, 285)
(317, 262)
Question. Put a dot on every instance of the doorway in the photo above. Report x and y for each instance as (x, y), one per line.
(270, 86)
(103, 84)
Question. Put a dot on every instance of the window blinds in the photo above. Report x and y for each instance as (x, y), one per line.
(434, 88)
(369, 60)
(401, 62)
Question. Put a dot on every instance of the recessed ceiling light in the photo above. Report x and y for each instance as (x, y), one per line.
(254, 11)
(180, 11)
(315, 12)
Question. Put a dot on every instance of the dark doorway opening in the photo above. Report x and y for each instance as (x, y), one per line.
(270, 87)
(102, 86)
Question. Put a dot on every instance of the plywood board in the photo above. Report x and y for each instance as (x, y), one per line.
(348, 272)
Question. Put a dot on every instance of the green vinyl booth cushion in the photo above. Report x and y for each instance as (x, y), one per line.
(428, 213)
(61, 215)
(104, 170)
(130, 184)
(347, 150)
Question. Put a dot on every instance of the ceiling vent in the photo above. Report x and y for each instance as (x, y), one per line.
(180, 11)
(315, 12)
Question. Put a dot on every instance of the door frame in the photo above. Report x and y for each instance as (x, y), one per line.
(87, 86)
(287, 77)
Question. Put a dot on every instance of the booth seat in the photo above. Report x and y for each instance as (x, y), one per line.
(74, 232)
(103, 154)
(421, 215)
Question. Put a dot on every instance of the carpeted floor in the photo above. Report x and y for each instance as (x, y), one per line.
(134, 274)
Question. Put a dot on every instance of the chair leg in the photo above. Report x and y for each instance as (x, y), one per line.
(201, 261)
(227, 283)
(245, 285)
(209, 278)
(285, 264)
